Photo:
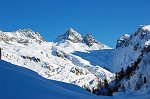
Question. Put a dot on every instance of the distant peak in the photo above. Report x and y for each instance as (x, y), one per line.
(71, 35)
(28, 33)
(122, 40)
(70, 29)
(124, 37)
(89, 40)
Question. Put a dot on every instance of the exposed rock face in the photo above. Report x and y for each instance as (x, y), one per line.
(21, 36)
(89, 40)
(4, 37)
(71, 35)
(28, 33)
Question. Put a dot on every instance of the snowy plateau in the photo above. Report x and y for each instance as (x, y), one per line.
(74, 66)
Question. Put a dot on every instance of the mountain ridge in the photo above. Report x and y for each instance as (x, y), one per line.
(75, 37)
(82, 60)
(50, 59)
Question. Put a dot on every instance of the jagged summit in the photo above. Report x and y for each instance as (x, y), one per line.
(71, 35)
(72, 38)
(138, 40)
(89, 40)
(28, 33)
(22, 36)
(122, 40)
(145, 27)
(70, 29)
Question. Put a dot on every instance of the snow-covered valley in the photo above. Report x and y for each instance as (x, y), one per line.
(83, 61)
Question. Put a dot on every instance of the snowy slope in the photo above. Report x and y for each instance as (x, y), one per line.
(52, 60)
(140, 78)
(20, 83)
(134, 52)
(129, 50)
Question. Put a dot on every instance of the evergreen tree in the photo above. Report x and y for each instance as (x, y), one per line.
(121, 74)
(105, 82)
(128, 72)
(145, 81)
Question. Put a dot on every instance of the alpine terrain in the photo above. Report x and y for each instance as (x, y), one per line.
(72, 59)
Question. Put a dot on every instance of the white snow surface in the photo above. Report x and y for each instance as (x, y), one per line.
(146, 27)
(20, 83)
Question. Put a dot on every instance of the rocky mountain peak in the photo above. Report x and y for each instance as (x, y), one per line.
(138, 40)
(145, 27)
(70, 30)
(28, 33)
(89, 40)
(122, 40)
(71, 35)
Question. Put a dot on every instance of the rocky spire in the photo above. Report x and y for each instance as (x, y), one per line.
(71, 35)
(89, 40)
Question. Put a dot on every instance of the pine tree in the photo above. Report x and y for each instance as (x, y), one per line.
(128, 72)
(145, 81)
(105, 82)
(121, 74)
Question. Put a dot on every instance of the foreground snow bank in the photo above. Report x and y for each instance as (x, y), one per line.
(20, 83)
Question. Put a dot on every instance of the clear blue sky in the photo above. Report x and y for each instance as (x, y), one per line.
(105, 20)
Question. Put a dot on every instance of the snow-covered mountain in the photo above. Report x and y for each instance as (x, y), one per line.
(71, 35)
(71, 41)
(129, 61)
(54, 60)
(22, 36)
(138, 62)
(82, 60)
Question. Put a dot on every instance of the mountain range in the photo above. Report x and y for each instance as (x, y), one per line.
(82, 60)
